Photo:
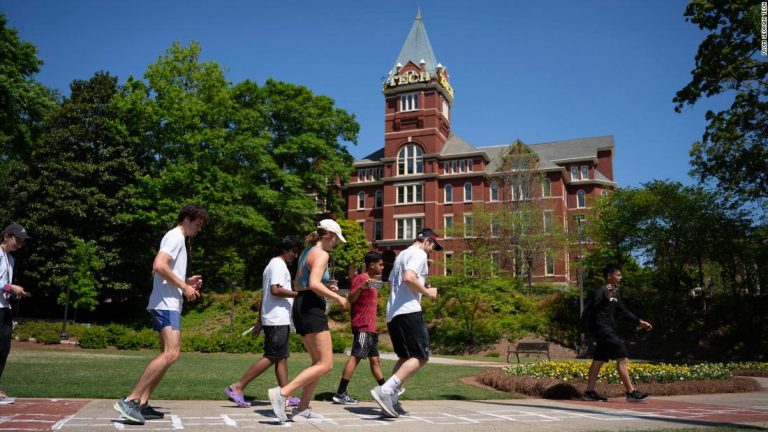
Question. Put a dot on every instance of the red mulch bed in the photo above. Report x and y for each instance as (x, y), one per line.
(548, 388)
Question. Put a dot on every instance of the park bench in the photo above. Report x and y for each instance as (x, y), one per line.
(528, 348)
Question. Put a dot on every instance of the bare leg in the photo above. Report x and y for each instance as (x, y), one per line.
(409, 367)
(621, 368)
(349, 368)
(154, 371)
(254, 371)
(320, 350)
(594, 371)
(281, 372)
(375, 363)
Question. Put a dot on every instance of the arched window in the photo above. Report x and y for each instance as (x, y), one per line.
(448, 194)
(494, 192)
(379, 199)
(410, 160)
(467, 191)
(361, 200)
(581, 199)
(603, 193)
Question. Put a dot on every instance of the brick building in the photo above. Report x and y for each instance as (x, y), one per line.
(427, 176)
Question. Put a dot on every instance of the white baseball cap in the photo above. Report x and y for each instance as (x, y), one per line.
(330, 225)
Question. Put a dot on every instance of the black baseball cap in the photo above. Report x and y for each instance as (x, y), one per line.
(16, 230)
(427, 233)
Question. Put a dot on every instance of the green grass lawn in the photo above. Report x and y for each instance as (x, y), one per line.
(80, 373)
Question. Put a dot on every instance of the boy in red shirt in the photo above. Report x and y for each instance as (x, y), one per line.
(363, 297)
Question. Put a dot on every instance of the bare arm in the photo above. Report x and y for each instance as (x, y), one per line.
(279, 291)
(412, 280)
(161, 266)
(318, 262)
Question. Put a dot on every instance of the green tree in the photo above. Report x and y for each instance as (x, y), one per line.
(348, 257)
(83, 261)
(733, 149)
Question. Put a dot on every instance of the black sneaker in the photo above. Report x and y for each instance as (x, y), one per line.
(636, 396)
(591, 395)
(399, 409)
(344, 399)
(130, 409)
(150, 413)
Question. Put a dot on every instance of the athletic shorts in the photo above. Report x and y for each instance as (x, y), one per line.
(410, 338)
(366, 344)
(308, 313)
(276, 345)
(163, 318)
(609, 347)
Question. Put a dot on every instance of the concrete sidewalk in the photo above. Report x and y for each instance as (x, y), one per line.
(742, 409)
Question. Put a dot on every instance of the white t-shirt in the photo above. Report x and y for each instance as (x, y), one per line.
(276, 311)
(165, 295)
(401, 299)
(6, 277)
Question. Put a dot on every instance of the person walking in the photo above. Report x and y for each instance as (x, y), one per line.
(274, 319)
(603, 305)
(364, 298)
(14, 236)
(169, 285)
(314, 285)
(405, 319)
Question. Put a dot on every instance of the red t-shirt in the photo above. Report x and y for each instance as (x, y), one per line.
(363, 310)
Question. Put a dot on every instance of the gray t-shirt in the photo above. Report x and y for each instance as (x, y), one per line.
(165, 295)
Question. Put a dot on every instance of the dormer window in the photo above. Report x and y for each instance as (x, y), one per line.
(409, 102)
(410, 160)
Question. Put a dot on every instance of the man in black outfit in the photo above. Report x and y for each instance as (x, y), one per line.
(604, 304)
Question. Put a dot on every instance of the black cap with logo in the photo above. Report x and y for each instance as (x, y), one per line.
(16, 230)
(427, 233)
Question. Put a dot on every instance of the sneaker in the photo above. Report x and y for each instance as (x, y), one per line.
(400, 410)
(636, 396)
(7, 400)
(278, 404)
(591, 395)
(400, 391)
(305, 415)
(385, 402)
(150, 413)
(344, 399)
(292, 402)
(130, 409)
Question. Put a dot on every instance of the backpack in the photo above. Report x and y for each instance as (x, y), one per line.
(586, 320)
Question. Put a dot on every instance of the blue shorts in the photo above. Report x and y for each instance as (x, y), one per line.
(164, 318)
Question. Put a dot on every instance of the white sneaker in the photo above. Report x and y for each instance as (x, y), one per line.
(7, 400)
(278, 403)
(305, 415)
(385, 402)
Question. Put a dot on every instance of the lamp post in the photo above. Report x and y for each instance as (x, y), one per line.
(64, 335)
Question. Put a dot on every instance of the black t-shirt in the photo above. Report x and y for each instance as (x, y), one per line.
(604, 310)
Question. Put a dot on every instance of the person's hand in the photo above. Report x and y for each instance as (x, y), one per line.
(646, 325)
(256, 329)
(432, 293)
(608, 291)
(343, 302)
(195, 281)
(18, 291)
(190, 292)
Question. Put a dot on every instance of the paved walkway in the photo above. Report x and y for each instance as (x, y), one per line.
(741, 409)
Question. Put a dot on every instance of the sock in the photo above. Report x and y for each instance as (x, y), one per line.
(391, 384)
(343, 386)
(381, 381)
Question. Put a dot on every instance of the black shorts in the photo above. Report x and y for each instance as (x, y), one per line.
(276, 345)
(366, 344)
(609, 347)
(309, 313)
(410, 338)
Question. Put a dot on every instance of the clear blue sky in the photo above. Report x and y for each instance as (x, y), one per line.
(537, 71)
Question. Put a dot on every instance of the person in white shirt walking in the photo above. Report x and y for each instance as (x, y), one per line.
(405, 319)
(275, 320)
(14, 236)
(170, 283)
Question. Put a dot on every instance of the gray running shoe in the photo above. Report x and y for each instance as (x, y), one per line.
(7, 400)
(278, 403)
(130, 409)
(344, 399)
(636, 396)
(305, 415)
(385, 402)
(150, 413)
(400, 410)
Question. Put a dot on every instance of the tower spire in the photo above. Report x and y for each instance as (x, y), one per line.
(418, 13)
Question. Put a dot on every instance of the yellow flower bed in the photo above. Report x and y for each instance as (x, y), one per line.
(641, 372)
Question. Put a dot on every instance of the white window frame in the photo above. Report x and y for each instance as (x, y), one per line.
(546, 188)
(446, 167)
(574, 173)
(462, 166)
(581, 199)
(415, 190)
(406, 228)
(548, 220)
(603, 193)
(549, 261)
(468, 223)
(448, 226)
(409, 102)
(448, 194)
(470, 165)
(378, 199)
(360, 200)
(494, 195)
(467, 199)
(410, 160)
(584, 172)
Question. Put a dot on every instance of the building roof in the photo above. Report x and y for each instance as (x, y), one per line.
(416, 48)
(552, 154)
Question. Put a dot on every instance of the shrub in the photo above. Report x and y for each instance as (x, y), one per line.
(115, 332)
(338, 342)
(48, 337)
(95, 337)
(492, 354)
